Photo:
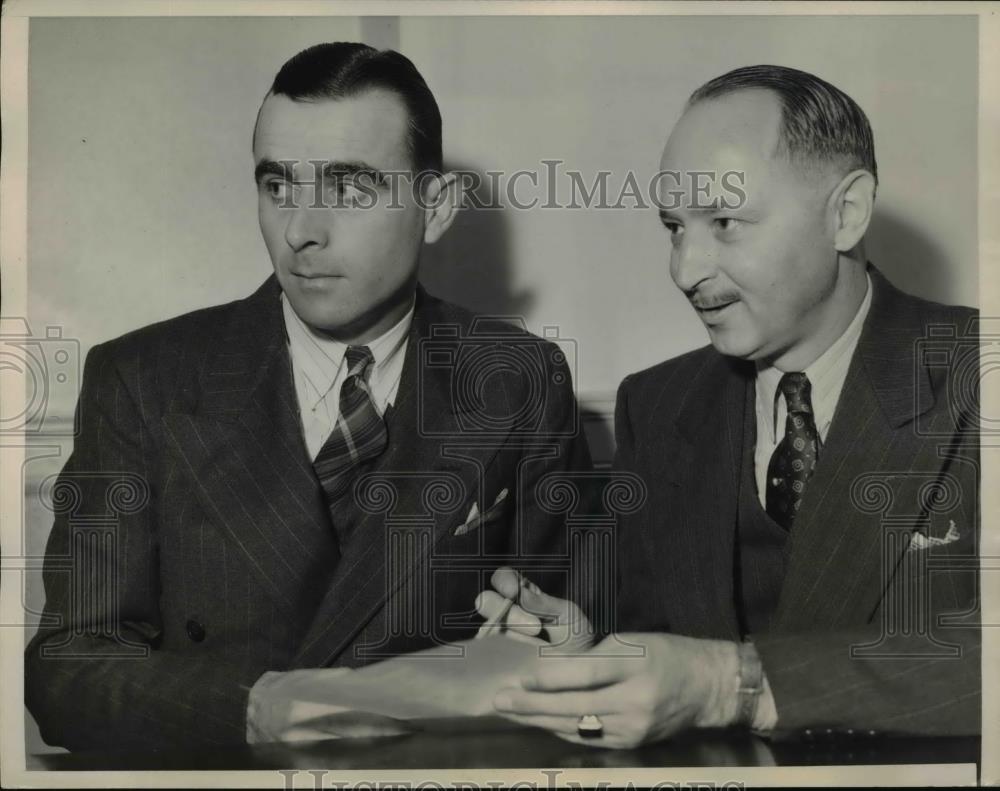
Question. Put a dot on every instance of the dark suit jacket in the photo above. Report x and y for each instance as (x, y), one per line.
(901, 455)
(193, 550)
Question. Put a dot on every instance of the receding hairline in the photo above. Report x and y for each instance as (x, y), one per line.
(810, 162)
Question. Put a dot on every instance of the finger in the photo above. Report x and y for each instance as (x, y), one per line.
(549, 608)
(607, 700)
(490, 604)
(507, 581)
(616, 733)
(578, 672)
(524, 638)
(606, 740)
(566, 625)
(570, 631)
(558, 725)
(514, 585)
(518, 620)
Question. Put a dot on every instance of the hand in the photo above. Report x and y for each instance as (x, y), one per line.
(675, 683)
(565, 624)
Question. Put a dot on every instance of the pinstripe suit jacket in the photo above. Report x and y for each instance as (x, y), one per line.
(867, 632)
(192, 548)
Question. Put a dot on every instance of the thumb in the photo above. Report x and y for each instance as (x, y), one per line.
(511, 584)
(507, 582)
(536, 601)
(565, 623)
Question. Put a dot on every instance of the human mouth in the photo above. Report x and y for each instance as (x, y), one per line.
(712, 311)
(321, 286)
(315, 279)
(314, 275)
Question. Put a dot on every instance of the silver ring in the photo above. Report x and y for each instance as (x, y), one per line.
(589, 726)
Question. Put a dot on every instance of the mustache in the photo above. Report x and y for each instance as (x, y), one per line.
(707, 302)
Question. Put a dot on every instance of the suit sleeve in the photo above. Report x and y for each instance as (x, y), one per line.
(94, 678)
(629, 597)
(558, 449)
(817, 684)
(624, 436)
(919, 673)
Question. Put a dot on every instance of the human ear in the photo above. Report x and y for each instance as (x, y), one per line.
(851, 206)
(440, 200)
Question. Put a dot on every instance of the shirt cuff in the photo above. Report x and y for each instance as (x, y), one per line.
(765, 718)
(755, 707)
(259, 708)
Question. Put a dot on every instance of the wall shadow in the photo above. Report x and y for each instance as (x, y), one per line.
(471, 265)
(598, 427)
(910, 258)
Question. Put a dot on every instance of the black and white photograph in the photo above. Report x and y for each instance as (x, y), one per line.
(458, 395)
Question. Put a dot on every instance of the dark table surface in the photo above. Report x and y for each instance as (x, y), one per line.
(501, 745)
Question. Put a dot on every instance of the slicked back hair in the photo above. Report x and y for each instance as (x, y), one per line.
(340, 70)
(819, 122)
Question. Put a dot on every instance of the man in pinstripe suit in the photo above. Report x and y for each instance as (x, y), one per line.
(807, 557)
(319, 475)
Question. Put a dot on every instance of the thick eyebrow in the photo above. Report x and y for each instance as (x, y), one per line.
(333, 170)
(268, 167)
(337, 170)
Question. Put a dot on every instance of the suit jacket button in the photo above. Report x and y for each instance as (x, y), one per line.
(195, 631)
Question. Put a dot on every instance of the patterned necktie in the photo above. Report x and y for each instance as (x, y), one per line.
(795, 458)
(359, 434)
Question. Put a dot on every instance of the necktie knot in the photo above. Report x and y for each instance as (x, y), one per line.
(359, 358)
(797, 391)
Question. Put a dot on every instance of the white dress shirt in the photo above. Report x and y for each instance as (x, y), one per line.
(826, 378)
(319, 370)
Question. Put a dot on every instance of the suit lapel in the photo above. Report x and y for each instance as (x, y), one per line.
(243, 447)
(424, 418)
(705, 449)
(836, 546)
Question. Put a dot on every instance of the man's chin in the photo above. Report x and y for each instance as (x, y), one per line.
(733, 343)
(323, 317)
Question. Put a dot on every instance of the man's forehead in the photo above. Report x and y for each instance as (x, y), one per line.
(737, 130)
(371, 127)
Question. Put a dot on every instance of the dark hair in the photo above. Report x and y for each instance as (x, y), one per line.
(339, 70)
(818, 121)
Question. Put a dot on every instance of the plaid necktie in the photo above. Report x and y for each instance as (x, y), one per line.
(794, 460)
(358, 436)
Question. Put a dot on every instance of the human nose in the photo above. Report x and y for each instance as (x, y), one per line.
(692, 260)
(307, 224)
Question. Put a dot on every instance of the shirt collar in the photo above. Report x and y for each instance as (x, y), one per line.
(319, 357)
(826, 374)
